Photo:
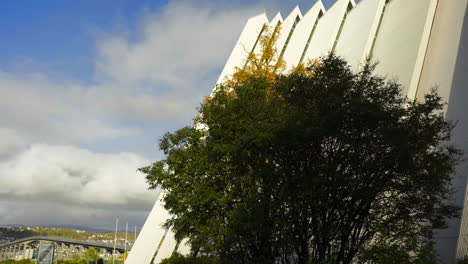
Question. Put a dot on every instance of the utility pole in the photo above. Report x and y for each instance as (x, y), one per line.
(125, 247)
(115, 239)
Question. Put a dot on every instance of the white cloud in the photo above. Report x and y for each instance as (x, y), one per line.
(142, 107)
(38, 108)
(160, 76)
(71, 175)
(10, 143)
(177, 47)
(37, 212)
(56, 185)
(174, 62)
(141, 84)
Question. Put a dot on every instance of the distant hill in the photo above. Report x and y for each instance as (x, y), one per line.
(84, 228)
(13, 232)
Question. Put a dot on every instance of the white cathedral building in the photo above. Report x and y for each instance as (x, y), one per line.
(420, 43)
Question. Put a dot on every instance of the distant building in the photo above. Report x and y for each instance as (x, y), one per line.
(420, 43)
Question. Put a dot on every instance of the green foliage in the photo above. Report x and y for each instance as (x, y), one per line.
(180, 259)
(399, 253)
(72, 261)
(23, 261)
(91, 254)
(75, 257)
(92, 257)
(15, 232)
(266, 64)
(78, 261)
(117, 260)
(319, 166)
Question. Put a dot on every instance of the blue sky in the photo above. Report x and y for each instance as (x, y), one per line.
(60, 34)
(87, 89)
(63, 32)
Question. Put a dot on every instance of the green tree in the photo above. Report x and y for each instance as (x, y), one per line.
(319, 166)
(91, 254)
(75, 257)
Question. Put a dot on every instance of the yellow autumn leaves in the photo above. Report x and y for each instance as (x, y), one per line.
(266, 64)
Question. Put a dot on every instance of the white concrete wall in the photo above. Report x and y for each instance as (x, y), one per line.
(445, 67)
(458, 111)
(276, 21)
(244, 45)
(301, 34)
(442, 51)
(287, 28)
(359, 31)
(399, 39)
(150, 235)
(167, 247)
(327, 30)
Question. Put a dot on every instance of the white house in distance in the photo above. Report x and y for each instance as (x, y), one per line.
(420, 43)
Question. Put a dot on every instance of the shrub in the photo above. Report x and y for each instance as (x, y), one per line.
(180, 259)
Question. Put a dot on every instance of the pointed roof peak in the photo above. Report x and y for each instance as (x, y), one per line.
(319, 3)
(296, 11)
(277, 17)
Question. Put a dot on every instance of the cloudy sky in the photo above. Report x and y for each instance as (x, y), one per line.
(87, 88)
